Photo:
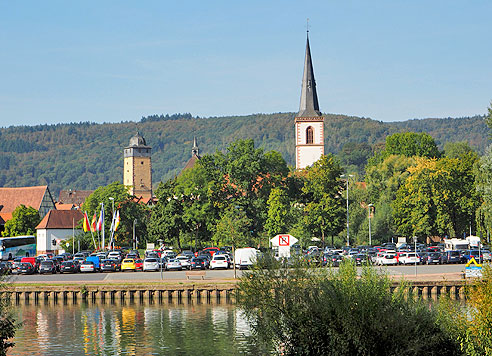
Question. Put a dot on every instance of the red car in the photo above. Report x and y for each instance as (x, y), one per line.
(138, 265)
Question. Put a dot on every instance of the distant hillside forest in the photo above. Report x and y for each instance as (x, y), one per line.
(88, 155)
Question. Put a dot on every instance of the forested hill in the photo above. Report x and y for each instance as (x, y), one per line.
(88, 155)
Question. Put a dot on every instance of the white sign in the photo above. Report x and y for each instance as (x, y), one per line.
(283, 243)
(284, 240)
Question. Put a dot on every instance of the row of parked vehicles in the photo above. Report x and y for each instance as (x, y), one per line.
(389, 254)
(120, 260)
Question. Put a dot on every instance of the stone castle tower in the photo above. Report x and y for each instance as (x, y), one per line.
(137, 170)
(309, 123)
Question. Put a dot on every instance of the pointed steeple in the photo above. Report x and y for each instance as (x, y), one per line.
(309, 106)
(194, 149)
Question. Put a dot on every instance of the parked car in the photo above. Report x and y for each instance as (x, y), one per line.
(96, 261)
(361, 259)
(87, 266)
(69, 266)
(475, 254)
(110, 265)
(197, 263)
(174, 264)
(151, 264)
(451, 257)
(387, 259)
(138, 264)
(408, 258)
(26, 268)
(433, 258)
(128, 264)
(487, 255)
(335, 260)
(47, 266)
(185, 261)
(219, 261)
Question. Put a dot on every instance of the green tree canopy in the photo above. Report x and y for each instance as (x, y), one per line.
(437, 199)
(324, 211)
(130, 211)
(24, 221)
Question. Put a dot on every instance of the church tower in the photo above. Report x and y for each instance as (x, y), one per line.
(137, 171)
(309, 122)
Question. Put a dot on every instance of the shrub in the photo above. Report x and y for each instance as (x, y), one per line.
(307, 311)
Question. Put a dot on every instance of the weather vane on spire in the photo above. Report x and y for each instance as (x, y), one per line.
(307, 25)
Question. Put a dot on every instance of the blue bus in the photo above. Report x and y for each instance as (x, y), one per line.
(19, 246)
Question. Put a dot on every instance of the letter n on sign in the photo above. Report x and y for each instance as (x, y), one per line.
(283, 240)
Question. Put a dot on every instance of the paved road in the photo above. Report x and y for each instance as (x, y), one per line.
(407, 271)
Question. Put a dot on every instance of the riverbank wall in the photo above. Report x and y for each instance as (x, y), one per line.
(189, 292)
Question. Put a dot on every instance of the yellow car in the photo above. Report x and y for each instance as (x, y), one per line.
(128, 264)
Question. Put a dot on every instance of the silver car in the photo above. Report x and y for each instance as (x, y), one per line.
(151, 264)
(174, 264)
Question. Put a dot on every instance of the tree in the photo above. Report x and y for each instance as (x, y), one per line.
(300, 311)
(24, 221)
(412, 144)
(324, 212)
(438, 198)
(130, 211)
(232, 229)
(383, 181)
(166, 220)
(279, 212)
(488, 118)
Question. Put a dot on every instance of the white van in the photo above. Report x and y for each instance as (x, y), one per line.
(245, 257)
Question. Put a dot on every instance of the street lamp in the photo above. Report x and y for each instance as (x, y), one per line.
(347, 177)
(370, 207)
(415, 244)
(134, 241)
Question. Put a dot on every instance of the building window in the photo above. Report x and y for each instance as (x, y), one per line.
(309, 135)
(141, 162)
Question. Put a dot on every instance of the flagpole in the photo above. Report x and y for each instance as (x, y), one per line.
(102, 212)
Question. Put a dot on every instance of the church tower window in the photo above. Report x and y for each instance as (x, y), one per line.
(309, 135)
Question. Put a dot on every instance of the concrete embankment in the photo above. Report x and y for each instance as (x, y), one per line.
(208, 291)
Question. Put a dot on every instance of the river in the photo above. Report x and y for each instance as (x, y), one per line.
(130, 329)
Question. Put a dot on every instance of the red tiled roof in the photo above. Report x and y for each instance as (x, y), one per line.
(76, 197)
(4, 217)
(11, 198)
(60, 219)
(61, 206)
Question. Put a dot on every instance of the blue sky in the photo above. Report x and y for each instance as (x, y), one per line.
(112, 61)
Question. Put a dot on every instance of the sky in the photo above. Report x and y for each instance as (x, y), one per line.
(112, 61)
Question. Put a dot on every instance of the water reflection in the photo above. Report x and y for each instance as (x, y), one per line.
(131, 329)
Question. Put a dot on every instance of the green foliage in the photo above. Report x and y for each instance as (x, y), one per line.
(383, 181)
(232, 228)
(8, 324)
(324, 212)
(279, 212)
(24, 221)
(437, 199)
(305, 311)
(130, 211)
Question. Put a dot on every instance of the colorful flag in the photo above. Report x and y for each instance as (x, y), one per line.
(86, 224)
(100, 222)
(93, 223)
(117, 220)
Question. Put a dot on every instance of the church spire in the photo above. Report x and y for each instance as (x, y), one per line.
(194, 149)
(309, 106)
